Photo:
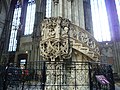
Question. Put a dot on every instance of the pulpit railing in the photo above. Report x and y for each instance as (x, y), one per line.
(84, 42)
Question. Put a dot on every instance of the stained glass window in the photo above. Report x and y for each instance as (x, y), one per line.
(101, 27)
(30, 17)
(118, 8)
(15, 26)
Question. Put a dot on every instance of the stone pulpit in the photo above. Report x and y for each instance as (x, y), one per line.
(63, 44)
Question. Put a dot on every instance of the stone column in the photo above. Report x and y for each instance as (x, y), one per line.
(69, 10)
(60, 9)
(76, 13)
(113, 19)
(4, 40)
(55, 8)
(116, 54)
(88, 16)
(39, 16)
(81, 14)
(52, 9)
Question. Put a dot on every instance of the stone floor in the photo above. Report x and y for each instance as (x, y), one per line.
(117, 87)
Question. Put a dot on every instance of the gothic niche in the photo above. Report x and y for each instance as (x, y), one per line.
(55, 38)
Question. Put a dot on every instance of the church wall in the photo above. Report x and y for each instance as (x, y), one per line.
(2, 17)
(110, 54)
(25, 47)
(116, 55)
(25, 43)
(4, 6)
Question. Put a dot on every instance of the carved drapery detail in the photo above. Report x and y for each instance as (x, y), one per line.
(55, 38)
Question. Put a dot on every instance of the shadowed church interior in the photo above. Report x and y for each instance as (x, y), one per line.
(66, 44)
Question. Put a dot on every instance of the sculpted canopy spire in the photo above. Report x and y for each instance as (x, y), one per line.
(56, 1)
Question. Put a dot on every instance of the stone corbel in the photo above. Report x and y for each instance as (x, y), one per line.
(56, 2)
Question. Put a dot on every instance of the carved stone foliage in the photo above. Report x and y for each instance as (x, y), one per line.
(54, 38)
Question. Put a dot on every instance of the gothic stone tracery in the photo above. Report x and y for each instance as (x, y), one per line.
(55, 34)
(59, 36)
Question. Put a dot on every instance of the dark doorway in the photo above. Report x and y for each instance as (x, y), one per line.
(22, 60)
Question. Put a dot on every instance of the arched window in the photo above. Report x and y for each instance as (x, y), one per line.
(15, 26)
(118, 9)
(29, 24)
(100, 20)
(30, 17)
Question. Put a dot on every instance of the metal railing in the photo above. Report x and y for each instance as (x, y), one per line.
(57, 76)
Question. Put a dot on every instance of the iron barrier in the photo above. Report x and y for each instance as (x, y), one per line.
(57, 76)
